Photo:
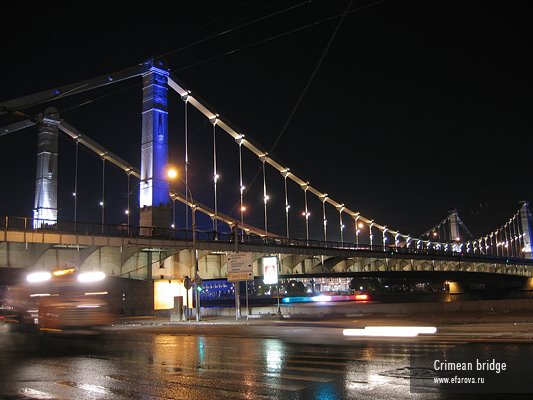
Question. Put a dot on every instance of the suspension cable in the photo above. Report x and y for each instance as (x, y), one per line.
(324, 220)
(215, 176)
(305, 187)
(75, 194)
(241, 186)
(285, 174)
(186, 101)
(265, 196)
(102, 203)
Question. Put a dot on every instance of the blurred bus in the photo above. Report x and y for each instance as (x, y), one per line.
(62, 301)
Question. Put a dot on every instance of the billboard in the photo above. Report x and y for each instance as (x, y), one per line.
(270, 270)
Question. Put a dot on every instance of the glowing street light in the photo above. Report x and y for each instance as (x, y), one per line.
(172, 173)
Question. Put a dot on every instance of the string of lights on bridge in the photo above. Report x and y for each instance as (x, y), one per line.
(507, 240)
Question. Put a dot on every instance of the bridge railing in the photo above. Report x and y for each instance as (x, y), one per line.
(123, 230)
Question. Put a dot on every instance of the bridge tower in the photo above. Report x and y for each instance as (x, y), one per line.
(154, 199)
(525, 219)
(453, 219)
(45, 205)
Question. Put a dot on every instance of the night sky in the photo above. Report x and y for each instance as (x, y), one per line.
(416, 108)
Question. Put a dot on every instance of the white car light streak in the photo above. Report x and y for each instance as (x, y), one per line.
(390, 331)
(92, 276)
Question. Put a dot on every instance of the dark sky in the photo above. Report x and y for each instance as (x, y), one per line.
(417, 108)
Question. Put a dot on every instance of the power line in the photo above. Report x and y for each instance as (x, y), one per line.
(277, 36)
(199, 28)
(230, 30)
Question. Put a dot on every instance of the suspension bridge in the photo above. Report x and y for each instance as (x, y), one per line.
(162, 243)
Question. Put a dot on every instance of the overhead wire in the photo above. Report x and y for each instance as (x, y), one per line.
(273, 37)
(231, 30)
(309, 81)
(199, 28)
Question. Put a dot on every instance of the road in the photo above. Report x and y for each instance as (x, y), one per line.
(210, 361)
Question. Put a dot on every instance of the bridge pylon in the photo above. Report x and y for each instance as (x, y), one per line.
(154, 199)
(526, 221)
(45, 204)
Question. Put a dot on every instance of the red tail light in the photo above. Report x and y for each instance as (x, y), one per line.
(361, 297)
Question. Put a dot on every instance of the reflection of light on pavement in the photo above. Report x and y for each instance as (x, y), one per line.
(273, 354)
(393, 331)
(35, 394)
(327, 391)
(377, 379)
(201, 345)
(94, 388)
(364, 381)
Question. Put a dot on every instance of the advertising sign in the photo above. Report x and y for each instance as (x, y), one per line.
(270, 270)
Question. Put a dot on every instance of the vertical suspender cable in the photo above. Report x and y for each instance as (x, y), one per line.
(186, 100)
(285, 174)
(506, 241)
(324, 220)
(512, 237)
(523, 232)
(102, 203)
(265, 196)
(306, 214)
(76, 183)
(128, 209)
(517, 232)
(516, 235)
(357, 230)
(341, 224)
(497, 242)
(215, 177)
(241, 186)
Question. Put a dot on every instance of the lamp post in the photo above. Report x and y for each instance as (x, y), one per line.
(197, 280)
(173, 174)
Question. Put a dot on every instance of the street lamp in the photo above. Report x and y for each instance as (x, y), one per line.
(173, 174)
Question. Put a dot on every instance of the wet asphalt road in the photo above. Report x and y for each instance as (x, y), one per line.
(158, 364)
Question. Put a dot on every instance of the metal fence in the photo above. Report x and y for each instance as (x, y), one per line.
(123, 230)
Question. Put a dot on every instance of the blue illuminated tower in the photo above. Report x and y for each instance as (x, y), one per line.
(154, 201)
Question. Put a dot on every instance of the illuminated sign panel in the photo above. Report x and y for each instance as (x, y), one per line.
(164, 293)
(270, 270)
